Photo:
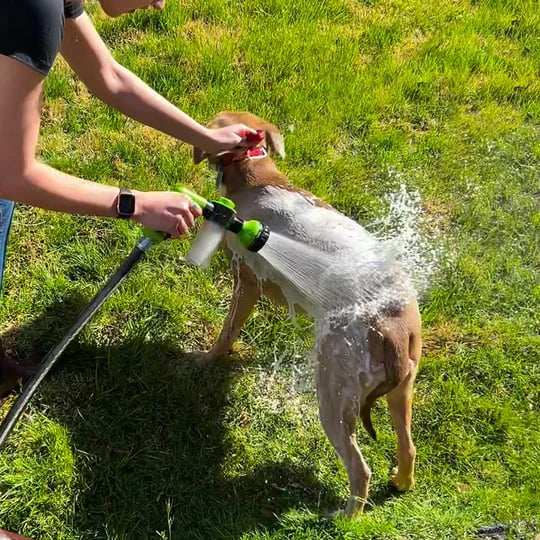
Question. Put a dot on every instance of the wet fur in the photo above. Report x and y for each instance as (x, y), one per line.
(392, 341)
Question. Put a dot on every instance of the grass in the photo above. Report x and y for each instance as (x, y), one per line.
(128, 439)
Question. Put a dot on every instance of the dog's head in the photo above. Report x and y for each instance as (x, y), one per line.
(273, 140)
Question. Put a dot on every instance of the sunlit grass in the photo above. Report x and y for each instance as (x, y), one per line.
(128, 439)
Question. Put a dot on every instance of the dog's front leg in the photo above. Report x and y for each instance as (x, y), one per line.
(246, 293)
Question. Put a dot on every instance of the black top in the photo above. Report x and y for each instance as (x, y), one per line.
(31, 31)
(73, 8)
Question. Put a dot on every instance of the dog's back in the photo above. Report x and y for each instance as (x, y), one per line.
(338, 263)
(302, 217)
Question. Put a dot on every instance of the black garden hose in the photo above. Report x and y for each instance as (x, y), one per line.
(31, 387)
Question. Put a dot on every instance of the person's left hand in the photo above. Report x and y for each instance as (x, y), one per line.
(228, 138)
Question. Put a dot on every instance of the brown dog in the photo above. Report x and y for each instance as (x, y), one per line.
(359, 358)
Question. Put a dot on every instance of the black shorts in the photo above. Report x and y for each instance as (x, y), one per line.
(31, 31)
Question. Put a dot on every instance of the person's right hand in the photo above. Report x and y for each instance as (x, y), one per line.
(165, 211)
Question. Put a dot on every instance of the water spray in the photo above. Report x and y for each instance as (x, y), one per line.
(220, 216)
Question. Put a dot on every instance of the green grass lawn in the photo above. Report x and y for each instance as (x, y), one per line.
(128, 439)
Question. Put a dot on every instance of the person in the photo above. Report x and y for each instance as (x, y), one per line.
(32, 34)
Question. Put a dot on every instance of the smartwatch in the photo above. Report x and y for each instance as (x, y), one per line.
(125, 204)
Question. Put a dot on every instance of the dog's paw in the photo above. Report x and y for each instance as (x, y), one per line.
(213, 356)
(401, 483)
(353, 508)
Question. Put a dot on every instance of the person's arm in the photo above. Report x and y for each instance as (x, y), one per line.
(24, 179)
(92, 61)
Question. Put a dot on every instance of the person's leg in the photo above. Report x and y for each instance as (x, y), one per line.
(10, 372)
(6, 215)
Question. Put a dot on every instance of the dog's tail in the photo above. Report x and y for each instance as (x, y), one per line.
(392, 341)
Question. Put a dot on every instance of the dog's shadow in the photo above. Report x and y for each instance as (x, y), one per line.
(151, 434)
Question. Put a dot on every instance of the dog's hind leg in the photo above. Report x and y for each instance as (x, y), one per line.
(338, 409)
(246, 293)
(400, 406)
(401, 397)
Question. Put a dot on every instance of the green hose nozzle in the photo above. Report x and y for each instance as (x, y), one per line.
(195, 197)
(252, 234)
(155, 237)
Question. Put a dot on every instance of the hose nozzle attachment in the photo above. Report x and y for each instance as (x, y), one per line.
(252, 234)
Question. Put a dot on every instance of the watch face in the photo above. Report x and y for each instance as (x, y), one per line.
(126, 204)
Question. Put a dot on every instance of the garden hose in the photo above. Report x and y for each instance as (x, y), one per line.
(52, 357)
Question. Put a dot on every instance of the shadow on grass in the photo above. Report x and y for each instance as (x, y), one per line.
(379, 495)
(151, 432)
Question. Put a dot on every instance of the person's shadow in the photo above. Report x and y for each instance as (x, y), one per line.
(150, 430)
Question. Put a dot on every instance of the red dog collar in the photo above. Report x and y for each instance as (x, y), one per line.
(255, 152)
(259, 152)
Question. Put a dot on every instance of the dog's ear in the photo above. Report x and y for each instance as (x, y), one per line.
(198, 155)
(275, 140)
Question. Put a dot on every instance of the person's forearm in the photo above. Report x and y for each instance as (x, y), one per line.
(39, 185)
(131, 96)
(42, 186)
